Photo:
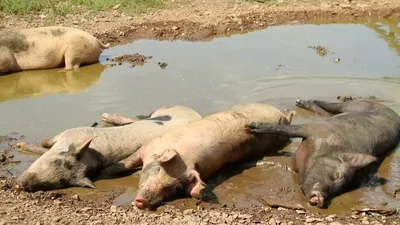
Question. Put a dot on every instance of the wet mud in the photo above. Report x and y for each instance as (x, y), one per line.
(320, 50)
(351, 98)
(133, 59)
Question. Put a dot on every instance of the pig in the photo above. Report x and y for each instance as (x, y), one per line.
(74, 156)
(46, 48)
(182, 158)
(334, 152)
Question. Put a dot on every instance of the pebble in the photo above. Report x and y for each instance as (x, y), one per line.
(76, 197)
(325, 5)
(311, 220)
(345, 6)
(188, 211)
(113, 209)
(335, 223)
(364, 220)
(272, 221)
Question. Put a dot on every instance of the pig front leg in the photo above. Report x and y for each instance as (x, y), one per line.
(122, 166)
(116, 120)
(292, 131)
(34, 148)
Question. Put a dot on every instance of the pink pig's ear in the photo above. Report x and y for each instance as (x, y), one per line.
(166, 156)
(356, 160)
(196, 185)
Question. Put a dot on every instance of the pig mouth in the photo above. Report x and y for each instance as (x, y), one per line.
(316, 199)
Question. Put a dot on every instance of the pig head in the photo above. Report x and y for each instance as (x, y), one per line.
(328, 176)
(164, 177)
(58, 169)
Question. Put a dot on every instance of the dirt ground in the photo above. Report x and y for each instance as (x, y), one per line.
(205, 19)
(194, 20)
(56, 208)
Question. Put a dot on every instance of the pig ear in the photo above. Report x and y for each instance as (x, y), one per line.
(77, 148)
(196, 185)
(166, 156)
(356, 160)
(85, 182)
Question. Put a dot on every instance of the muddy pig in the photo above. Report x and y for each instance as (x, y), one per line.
(78, 154)
(336, 151)
(185, 156)
(46, 48)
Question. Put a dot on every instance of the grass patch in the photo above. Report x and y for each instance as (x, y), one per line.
(63, 7)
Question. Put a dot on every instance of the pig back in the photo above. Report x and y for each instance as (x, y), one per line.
(261, 112)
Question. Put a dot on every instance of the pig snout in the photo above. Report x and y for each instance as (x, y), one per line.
(316, 199)
(140, 202)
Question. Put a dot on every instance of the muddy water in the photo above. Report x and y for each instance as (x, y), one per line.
(274, 66)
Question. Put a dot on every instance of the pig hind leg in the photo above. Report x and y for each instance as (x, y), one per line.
(321, 107)
(326, 108)
(122, 166)
(72, 61)
(292, 131)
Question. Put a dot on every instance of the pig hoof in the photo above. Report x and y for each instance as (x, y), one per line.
(259, 127)
(21, 144)
(302, 103)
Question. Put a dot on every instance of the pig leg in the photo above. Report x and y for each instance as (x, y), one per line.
(320, 107)
(49, 142)
(116, 120)
(293, 131)
(326, 108)
(32, 148)
(72, 59)
(122, 166)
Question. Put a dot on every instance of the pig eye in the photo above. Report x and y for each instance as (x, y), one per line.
(336, 176)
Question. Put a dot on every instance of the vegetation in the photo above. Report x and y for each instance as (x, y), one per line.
(63, 7)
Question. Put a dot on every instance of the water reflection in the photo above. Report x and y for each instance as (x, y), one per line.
(37, 83)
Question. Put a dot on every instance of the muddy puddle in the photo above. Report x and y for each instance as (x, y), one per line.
(275, 66)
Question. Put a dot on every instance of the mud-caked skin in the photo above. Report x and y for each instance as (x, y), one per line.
(76, 155)
(46, 48)
(335, 151)
(182, 158)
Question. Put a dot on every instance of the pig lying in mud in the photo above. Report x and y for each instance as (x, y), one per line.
(77, 154)
(183, 157)
(336, 151)
(46, 48)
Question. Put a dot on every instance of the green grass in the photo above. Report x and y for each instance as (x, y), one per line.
(60, 7)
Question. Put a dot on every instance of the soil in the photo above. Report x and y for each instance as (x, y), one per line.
(56, 208)
(196, 20)
(133, 59)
